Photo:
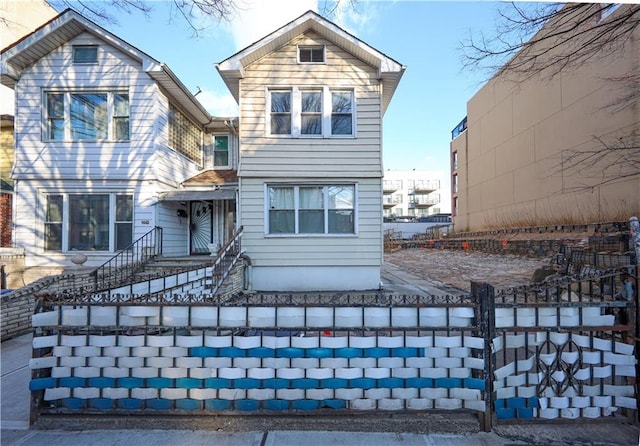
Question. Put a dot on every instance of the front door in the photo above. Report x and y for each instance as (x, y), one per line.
(200, 228)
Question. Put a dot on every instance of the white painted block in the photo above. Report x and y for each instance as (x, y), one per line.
(377, 372)
(173, 394)
(459, 321)
(433, 394)
(349, 317)
(262, 316)
(433, 372)
(526, 391)
(591, 412)
(144, 393)
(320, 373)
(505, 371)
(448, 363)
(173, 352)
(506, 392)
(246, 342)
(160, 341)
(319, 394)
(290, 394)
(200, 372)
(232, 373)
(334, 363)
(246, 363)
(261, 373)
(477, 405)
(390, 341)
(349, 373)
(390, 404)
(405, 372)
(473, 342)
(460, 372)
(174, 372)
(116, 372)
(175, 316)
(73, 340)
(334, 341)
(131, 341)
(549, 414)
(144, 372)
(625, 401)
(73, 361)
(616, 359)
(44, 362)
(419, 362)
(261, 394)
(139, 311)
(188, 341)
(44, 341)
(448, 341)
(202, 394)
(305, 363)
(362, 404)
(290, 316)
(377, 394)
(474, 363)
(57, 393)
(377, 317)
(204, 316)
(449, 403)
(559, 402)
(420, 404)
(404, 393)
(349, 394)
(102, 361)
(116, 351)
(419, 341)
(102, 341)
(276, 341)
(618, 390)
(466, 394)
(390, 362)
(436, 352)
(159, 362)
(603, 401)
(432, 317)
(515, 341)
(517, 380)
(319, 317)
(580, 402)
(570, 413)
(130, 361)
(362, 341)
(459, 352)
(289, 373)
(115, 393)
(605, 372)
(74, 316)
(145, 352)
(86, 372)
(188, 362)
(464, 312)
(404, 317)
(305, 341)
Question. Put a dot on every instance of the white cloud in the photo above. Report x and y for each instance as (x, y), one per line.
(218, 104)
(257, 18)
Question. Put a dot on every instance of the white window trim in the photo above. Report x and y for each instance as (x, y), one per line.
(303, 47)
(67, 114)
(296, 112)
(73, 54)
(297, 208)
(229, 150)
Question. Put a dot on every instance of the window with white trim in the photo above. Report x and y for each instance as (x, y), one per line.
(311, 209)
(311, 54)
(85, 54)
(310, 112)
(88, 222)
(87, 116)
(221, 151)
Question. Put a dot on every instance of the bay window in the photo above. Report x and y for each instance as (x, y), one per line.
(88, 222)
(310, 112)
(87, 116)
(311, 209)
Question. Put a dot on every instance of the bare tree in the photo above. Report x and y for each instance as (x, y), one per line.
(544, 40)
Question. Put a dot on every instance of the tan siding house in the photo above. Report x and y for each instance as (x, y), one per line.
(311, 102)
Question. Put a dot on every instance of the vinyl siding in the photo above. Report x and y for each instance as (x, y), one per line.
(339, 157)
(363, 249)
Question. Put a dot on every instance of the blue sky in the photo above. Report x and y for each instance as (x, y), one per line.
(424, 36)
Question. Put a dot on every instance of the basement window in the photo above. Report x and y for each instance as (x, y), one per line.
(311, 54)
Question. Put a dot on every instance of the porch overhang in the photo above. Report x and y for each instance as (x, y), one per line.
(198, 195)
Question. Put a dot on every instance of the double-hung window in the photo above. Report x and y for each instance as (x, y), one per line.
(310, 112)
(88, 222)
(311, 209)
(221, 151)
(87, 116)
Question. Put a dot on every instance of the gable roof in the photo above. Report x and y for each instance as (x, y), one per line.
(70, 24)
(389, 70)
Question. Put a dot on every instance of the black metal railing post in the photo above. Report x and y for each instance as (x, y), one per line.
(484, 296)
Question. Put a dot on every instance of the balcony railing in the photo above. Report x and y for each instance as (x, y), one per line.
(459, 128)
(390, 186)
(422, 202)
(425, 187)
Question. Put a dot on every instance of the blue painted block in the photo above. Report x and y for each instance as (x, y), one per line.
(130, 382)
(102, 382)
(391, 383)
(376, 352)
(474, 383)
(404, 352)
(203, 352)
(289, 352)
(304, 383)
(130, 404)
(42, 383)
(217, 404)
(305, 404)
(499, 404)
(334, 404)
(159, 404)
(448, 383)
(533, 402)
(362, 383)
(348, 352)
(319, 352)
(261, 352)
(420, 383)
(72, 381)
(276, 404)
(275, 383)
(73, 403)
(334, 383)
(246, 383)
(217, 383)
(247, 405)
(525, 412)
(160, 383)
(232, 352)
(516, 403)
(505, 414)
(188, 383)
(101, 403)
(188, 404)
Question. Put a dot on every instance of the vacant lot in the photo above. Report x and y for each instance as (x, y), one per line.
(458, 268)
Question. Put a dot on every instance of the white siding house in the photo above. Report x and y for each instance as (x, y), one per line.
(110, 144)
(104, 135)
(311, 98)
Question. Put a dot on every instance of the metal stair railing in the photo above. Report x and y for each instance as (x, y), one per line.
(122, 267)
(225, 260)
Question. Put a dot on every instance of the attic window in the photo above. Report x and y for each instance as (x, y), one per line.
(311, 54)
(85, 54)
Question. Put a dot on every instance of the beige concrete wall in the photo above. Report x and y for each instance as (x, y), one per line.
(513, 159)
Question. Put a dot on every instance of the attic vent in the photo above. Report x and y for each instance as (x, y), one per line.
(85, 54)
(311, 54)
